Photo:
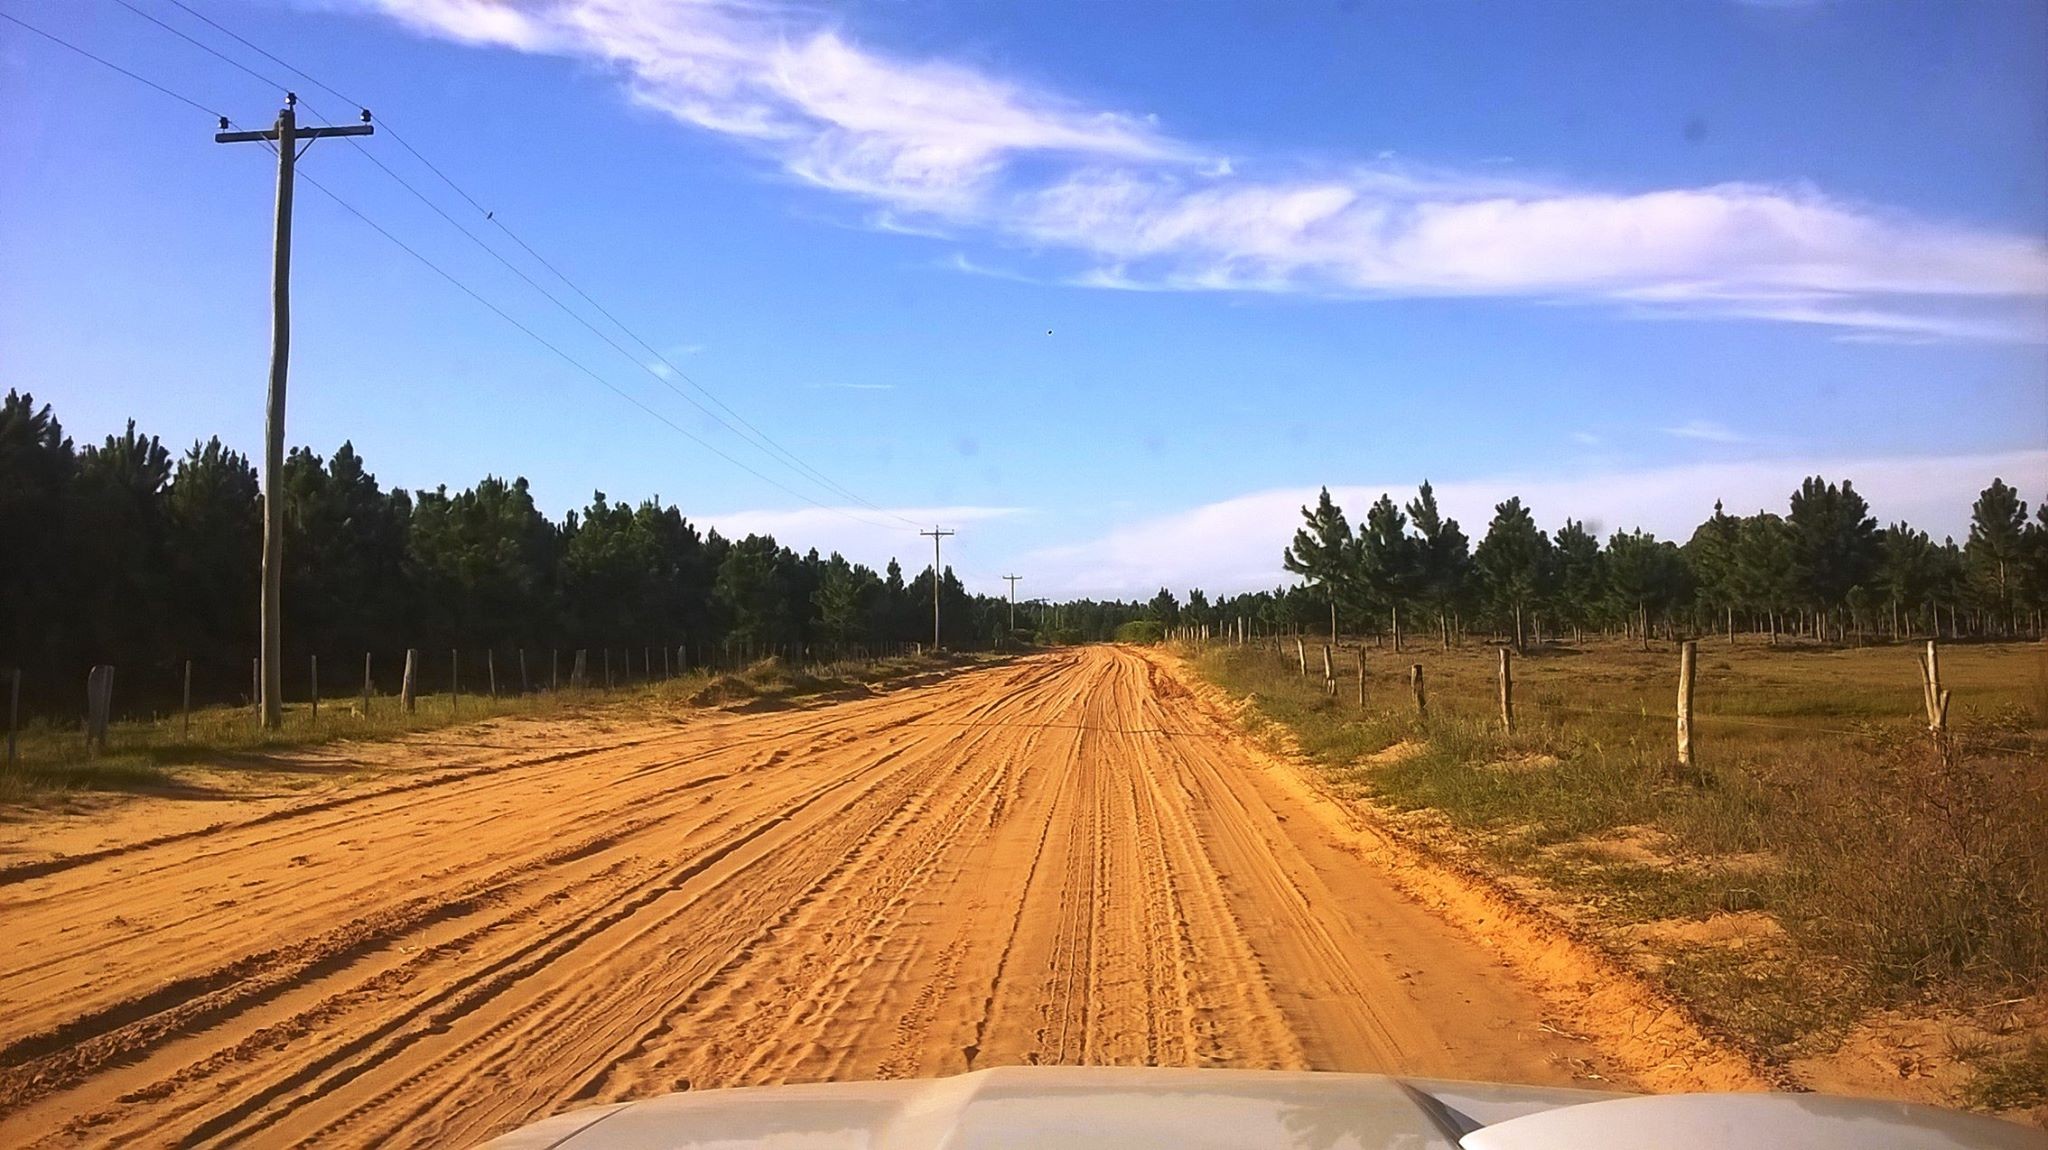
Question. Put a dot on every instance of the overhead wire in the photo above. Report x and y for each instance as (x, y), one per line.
(401, 244)
(754, 435)
(101, 60)
(501, 313)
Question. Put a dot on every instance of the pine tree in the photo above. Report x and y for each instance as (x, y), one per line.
(1995, 552)
(1710, 553)
(1323, 553)
(1581, 574)
(1646, 578)
(1907, 570)
(1514, 563)
(1834, 543)
(1443, 558)
(1389, 562)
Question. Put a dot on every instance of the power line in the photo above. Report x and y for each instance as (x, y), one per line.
(569, 359)
(759, 438)
(501, 313)
(101, 60)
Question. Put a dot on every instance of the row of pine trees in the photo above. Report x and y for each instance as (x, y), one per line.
(1823, 569)
(121, 553)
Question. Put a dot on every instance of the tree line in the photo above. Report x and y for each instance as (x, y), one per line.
(120, 552)
(1822, 569)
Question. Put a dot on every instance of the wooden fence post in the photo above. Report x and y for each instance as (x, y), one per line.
(256, 688)
(1687, 652)
(647, 663)
(1361, 676)
(554, 668)
(185, 709)
(408, 687)
(1301, 654)
(366, 684)
(667, 668)
(607, 668)
(1329, 673)
(1415, 686)
(1932, 694)
(579, 669)
(1507, 693)
(13, 712)
(454, 680)
(491, 669)
(314, 678)
(99, 699)
(523, 687)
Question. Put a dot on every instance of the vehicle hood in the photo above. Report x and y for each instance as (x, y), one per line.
(1015, 1108)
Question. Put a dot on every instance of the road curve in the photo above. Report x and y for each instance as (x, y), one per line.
(1068, 858)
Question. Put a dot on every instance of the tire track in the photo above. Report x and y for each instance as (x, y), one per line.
(1058, 860)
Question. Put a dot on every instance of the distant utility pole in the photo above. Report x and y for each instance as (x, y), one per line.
(1013, 600)
(285, 137)
(936, 534)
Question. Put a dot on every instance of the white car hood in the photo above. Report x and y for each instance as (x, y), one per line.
(1016, 1108)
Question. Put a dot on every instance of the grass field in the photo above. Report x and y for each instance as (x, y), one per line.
(147, 756)
(1818, 863)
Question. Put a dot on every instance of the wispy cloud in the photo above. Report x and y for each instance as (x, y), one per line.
(944, 148)
(1706, 430)
(1235, 544)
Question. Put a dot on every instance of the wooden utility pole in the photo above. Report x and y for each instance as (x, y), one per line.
(936, 535)
(1013, 600)
(284, 138)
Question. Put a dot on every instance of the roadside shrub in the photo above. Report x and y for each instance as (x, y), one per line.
(1924, 865)
(1139, 631)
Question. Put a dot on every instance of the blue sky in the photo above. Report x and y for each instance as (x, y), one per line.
(1111, 288)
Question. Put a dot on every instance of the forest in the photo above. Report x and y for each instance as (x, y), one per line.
(1823, 570)
(120, 552)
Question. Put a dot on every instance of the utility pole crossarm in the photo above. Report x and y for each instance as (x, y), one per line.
(317, 133)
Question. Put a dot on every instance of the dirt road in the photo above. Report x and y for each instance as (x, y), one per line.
(1065, 859)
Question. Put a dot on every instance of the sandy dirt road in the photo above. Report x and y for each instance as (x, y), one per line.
(1063, 859)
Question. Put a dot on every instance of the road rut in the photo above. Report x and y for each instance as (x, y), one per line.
(1067, 858)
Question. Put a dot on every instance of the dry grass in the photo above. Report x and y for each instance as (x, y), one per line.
(1900, 874)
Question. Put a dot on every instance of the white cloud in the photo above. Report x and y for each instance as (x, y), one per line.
(1706, 430)
(940, 147)
(1235, 544)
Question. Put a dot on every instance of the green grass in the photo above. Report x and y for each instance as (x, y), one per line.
(148, 756)
(1900, 875)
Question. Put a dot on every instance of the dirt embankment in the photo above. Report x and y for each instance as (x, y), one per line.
(1067, 859)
